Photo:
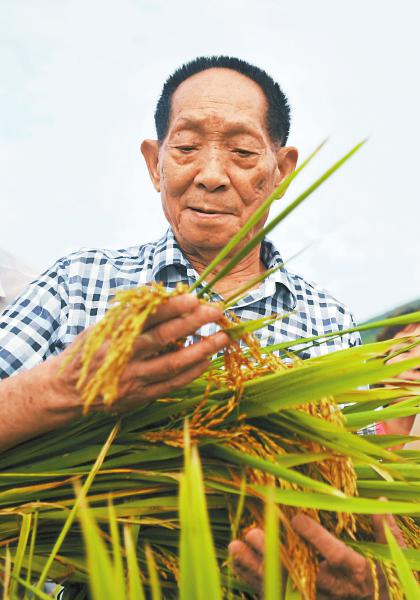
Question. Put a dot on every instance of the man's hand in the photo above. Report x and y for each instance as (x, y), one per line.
(150, 374)
(343, 573)
(45, 397)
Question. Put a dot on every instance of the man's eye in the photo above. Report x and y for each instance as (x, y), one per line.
(186, 149)
(243, 153)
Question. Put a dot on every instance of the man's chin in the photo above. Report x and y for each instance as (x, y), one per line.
(208, 236)
(202, 241)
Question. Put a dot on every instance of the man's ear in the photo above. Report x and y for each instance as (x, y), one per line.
(150, 151)
(287, 157)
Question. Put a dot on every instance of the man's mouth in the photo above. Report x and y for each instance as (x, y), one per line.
(207, 211)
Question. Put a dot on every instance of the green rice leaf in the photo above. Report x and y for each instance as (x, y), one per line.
(382, 552)
(103, 583)
(336, 504)
(20, 552)
(272, 565)
(31, 551)
(244, 459)
(156, 592)
(116, 544)
(134, 578)
(413, 317)
(406, 577)
(72, 514)
(199, 572)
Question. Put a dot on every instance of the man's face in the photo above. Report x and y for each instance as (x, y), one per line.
(217, 163)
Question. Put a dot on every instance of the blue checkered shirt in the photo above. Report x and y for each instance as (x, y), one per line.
(75, 293)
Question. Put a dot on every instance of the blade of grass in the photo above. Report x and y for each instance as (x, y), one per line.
(409, 584)
(242, 291)
(239, 508)
(383, 552)
(234, 531)
(30, 588)
(103, 583)
(31, 552)
(156, 593)
(7, 575)
(291, 592)
(134, 583)
(247, 460)
(336, 504)
(358, 420)
(199, 573)
(272, 565)
(72, 514)
(115, 540)
(20, 552)
(237, 331)
(407, 319)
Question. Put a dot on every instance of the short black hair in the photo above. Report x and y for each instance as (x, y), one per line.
(278, 113)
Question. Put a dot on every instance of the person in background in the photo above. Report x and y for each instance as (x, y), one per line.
(409, 425)
(14, 277)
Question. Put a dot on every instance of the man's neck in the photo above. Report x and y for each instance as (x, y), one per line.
(246, 270)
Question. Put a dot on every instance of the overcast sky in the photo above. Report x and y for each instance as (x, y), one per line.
(79, 81)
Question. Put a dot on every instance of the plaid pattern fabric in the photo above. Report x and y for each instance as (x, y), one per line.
(75, 293)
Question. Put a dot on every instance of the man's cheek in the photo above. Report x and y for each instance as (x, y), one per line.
(256, 190)
(176, 179)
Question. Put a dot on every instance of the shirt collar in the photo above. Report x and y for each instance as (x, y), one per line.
(168, 253)
(271, 257)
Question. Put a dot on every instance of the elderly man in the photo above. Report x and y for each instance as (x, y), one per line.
(222, 127)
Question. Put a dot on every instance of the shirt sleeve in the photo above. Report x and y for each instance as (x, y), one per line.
(29, 327)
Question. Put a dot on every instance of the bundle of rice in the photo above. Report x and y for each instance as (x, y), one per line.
(265, 428)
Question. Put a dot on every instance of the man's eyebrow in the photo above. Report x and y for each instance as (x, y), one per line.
(233, 128)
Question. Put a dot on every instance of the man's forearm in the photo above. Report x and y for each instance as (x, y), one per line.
(47, 396)
(29, 405)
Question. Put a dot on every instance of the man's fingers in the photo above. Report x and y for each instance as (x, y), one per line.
(332, 549)
(326, 581)
(162, 389)
(378, 526)
(157, 338)
(246, 564)
(134, 398)
(168, 366)
(173, 307)
(255, 540)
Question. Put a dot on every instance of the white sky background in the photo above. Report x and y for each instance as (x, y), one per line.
(79, 82)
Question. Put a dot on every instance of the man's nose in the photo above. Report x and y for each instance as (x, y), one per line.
(212, 175)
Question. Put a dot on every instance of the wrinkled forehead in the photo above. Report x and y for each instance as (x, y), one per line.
(208, 122)
(216, 96)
